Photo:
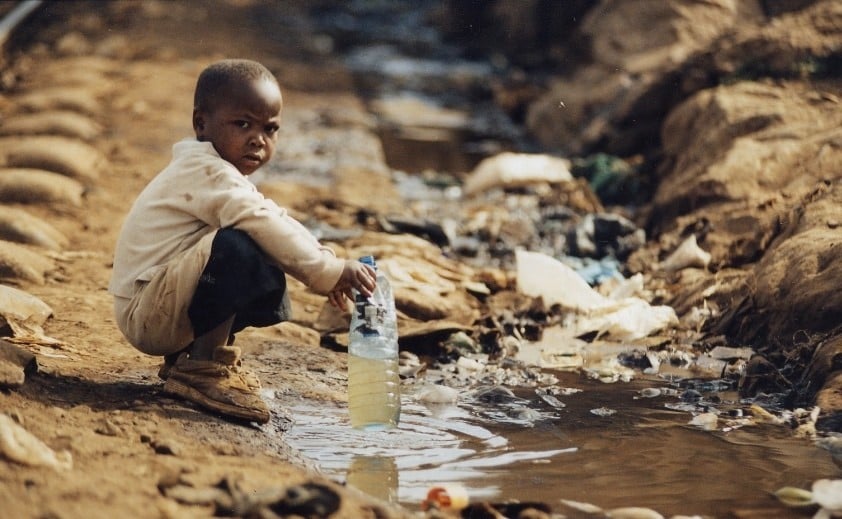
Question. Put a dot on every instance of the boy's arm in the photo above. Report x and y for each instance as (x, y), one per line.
(232, 201)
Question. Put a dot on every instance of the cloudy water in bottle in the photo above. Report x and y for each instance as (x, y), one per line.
(373, 382)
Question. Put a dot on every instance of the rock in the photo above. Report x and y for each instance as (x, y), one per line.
(20, 446)
(36, 186)
(109, 428)
(83, 78)
(77, 99)
(24, 314)
(17, 263)
(821, 381)
(52, 122)
(794, 283)
(292, 333)
(73, 43)
(745, 144)
(829, 397)
(17, 225)
(307, 500)
(69, 157)
(15, 364)
(613, 98)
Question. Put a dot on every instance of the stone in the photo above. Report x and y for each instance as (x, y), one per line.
(16, 225)
(63, 123)
(15, 364)
(70, 157)
(36, 186)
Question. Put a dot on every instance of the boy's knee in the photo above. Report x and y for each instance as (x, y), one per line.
(236, 243)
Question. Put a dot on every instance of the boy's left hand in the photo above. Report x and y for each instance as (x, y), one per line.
(356, 276)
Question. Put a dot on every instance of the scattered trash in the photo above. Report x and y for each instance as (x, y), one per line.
(593, 271)
(826, 493)
(557, 349)
(446, 496)
(613, 179)
(605, 235)
(705, 421)
(516, 170)
(467, 364)
(603, 411)
(650, 392)
(437, 394)
(539, 275)
(688, 254)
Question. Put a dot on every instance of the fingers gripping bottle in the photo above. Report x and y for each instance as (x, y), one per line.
(374, 398)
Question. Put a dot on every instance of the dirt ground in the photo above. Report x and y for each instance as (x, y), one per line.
(94, 396)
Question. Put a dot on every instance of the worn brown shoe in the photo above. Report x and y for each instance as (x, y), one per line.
(216, 386)
(231, 357)
(228, 355)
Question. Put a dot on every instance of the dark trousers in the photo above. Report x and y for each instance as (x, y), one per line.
(238, 280)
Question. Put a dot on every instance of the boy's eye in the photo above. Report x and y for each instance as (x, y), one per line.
(243, 124)
(272, 130)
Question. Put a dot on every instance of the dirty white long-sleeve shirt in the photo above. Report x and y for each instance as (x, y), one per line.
(199, 193)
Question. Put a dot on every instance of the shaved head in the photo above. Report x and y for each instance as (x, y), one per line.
(217, 80)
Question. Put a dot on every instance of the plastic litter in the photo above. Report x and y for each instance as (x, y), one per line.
(446, 496)
(437, 394)
(627, 318)
(516, 170)
(688, 254)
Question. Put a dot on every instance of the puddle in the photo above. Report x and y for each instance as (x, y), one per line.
(431, 445)
(608, 445)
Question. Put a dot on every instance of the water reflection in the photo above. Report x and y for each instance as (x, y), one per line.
(377, 476)
(643, 454)
(436, 444)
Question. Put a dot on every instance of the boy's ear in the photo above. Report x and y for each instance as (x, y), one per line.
(198, 122)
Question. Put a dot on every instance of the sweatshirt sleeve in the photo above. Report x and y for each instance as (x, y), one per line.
(232, 201)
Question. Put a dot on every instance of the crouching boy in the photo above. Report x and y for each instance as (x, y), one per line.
(202, 254)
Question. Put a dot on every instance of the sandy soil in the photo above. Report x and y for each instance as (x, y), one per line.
(95, 396)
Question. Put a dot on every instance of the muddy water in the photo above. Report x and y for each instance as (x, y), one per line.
(642, 454)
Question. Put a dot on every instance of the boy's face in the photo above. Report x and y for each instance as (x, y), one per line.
(243, 126)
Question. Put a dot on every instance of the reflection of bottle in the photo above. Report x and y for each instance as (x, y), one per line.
(373, 383)
(376, 476)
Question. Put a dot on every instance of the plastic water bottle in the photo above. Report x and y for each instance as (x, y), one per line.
(374, 398)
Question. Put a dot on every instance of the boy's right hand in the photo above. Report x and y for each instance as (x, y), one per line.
(357, 276)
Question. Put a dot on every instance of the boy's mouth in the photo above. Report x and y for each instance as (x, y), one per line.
(254, 159)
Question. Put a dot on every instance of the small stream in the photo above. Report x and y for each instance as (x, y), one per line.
(610, 446)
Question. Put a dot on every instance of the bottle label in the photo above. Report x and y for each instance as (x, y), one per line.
(371, 316)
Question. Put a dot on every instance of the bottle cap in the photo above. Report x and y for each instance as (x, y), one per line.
(368, 260)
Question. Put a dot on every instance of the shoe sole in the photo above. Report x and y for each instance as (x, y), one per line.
(174, 387)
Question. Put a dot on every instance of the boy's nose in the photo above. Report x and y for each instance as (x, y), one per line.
(257, 139)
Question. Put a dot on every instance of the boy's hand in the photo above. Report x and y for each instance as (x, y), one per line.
(357, 276)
